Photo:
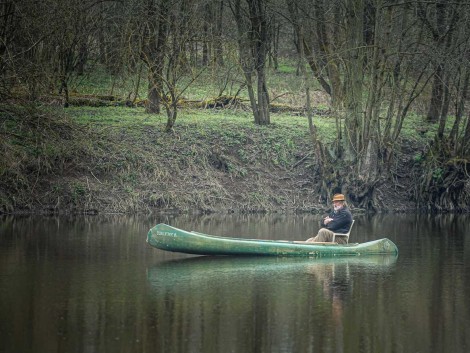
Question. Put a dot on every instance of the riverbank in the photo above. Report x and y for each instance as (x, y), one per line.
(116, 159)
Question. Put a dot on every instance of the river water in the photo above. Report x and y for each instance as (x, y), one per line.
(92, 284)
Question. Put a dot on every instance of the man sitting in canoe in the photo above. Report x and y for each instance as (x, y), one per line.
(338, 221)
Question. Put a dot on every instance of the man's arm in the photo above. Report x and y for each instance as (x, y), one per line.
(340, 220)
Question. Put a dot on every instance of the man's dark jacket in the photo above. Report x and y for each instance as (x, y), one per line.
(341, 222)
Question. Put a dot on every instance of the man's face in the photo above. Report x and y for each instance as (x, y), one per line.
(337, 204)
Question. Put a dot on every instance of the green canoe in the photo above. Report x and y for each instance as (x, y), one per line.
(169, 238)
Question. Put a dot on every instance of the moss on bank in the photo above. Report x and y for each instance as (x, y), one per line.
(116, 159)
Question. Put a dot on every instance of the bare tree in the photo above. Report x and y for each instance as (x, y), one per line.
(443, 182)
(366, 54)
(168, 33)
(46, 44)
(440, 19)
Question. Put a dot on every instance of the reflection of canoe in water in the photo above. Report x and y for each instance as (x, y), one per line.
(218, 269)
(168, 238)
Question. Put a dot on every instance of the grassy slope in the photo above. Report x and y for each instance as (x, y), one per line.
(120, 160)
(116, 159)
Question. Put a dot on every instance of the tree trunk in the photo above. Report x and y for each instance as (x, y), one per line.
(252, 46)
(206, 37)
(369, 136)
(326, 61)
(466, 138)
(263, 100)
(65, 89)
(435, 105)
(153, 94)
(353, 79)
(218, 40)
(275, 46)
(171, 113)
(441, 27)
(154, 52)
(260, 43)
(251, 95)
(460, 108)
(82, 59)
(316, 144)
(444, 109)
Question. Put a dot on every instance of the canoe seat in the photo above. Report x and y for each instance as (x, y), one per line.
(344, 235)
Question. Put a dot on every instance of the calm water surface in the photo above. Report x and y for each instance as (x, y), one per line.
(92, 284)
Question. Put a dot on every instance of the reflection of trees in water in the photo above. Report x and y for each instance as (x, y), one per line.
(416, 223)
(90, 238)
(262, 304)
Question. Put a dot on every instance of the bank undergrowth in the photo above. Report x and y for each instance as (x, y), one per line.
(117, 159)
(120, 160)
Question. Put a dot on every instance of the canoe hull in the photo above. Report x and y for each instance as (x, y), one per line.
(169, 238)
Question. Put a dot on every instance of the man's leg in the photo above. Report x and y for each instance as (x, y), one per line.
(324, 235)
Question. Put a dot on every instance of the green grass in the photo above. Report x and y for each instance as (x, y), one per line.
(284, 85)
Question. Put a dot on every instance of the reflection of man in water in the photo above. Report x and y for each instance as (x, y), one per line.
(339, 289)
(338, 221)
(336, 286)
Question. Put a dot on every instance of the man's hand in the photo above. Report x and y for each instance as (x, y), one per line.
(327, 220)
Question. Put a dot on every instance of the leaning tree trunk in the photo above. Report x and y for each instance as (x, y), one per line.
(251, 95)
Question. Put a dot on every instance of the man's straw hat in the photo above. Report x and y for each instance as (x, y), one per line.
(338, 197)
